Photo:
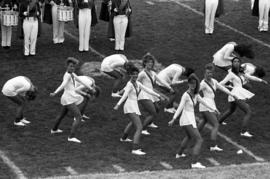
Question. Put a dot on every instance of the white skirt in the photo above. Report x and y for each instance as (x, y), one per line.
(70, 97)
(131, 106)
(210, 102)
(241, 93)
(187, 118)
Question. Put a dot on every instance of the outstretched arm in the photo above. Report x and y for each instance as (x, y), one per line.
(254, 78)
(148, 90)
(179, 109)
(63, 84)
(200, 100)
(128, 89)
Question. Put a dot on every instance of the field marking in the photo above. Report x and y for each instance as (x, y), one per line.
(229, 140)
(179, 171)
(166, 165)
(118, 168)
(150, 3)
(17, 171)
(218, 22)
(70, 170)
(213, 161)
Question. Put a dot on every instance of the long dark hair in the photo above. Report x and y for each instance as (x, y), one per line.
(244, 50)
(192, 77)
(234, 69)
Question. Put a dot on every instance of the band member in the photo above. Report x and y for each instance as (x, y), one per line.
(261, 8)
(115, 66)
(70, 99)
(120, 10)
(223, 57)
(235, 76)
(148, 102)
(213, 8)
(131, 108)
(58, 26)
(19, 90)
(30, 12)
(171, 76)
(187, 120)
(7, 5)
(85, 9)
(208, 87)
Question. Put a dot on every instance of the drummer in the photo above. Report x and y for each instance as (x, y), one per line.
(7, 5)
(58, 26)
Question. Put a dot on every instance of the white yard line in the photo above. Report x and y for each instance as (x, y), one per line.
(16, 170)
(213, 161)
(219, 22)
(166, 165)
(118, 168)
(71, 171)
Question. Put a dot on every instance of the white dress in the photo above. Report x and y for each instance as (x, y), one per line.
(69, 96)
(112, 62)
(186, 106)
(18, 83)
(222, 55)
(208, 95)
(170, 74)
(146, 81)
(237, 90)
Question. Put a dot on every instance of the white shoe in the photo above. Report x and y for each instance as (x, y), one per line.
(116, 95)
(145, 132)
(197, 165)
(169, 110)
(73, 139)
(216, 148)
(224, 123)
(125, 140)
(25, 121)
(19, 124)
(152, 125)
(57, 131)
(246, 134)
(138, 152)
(180, 156)
(86, 117)
(81, 120)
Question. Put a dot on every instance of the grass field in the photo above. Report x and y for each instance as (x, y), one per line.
(174, 35)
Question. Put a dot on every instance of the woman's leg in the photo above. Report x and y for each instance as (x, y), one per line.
(246, 109)
(138, 125)
(127, 130)
(228, 112)
(118, 80)
(59, 118)
(20, 101)
(184, 143)
(77, 114)
(214, 6)
(87, 30)
(149, 106)
(196, 136)
(123, 28)
(212, 119)
(261, 14)
(207, 15)
(116, 23)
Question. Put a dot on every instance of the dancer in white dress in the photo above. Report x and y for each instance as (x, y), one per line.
(115, 66)
(187, 120)
(223, 57)
(19, 90)
(86, 93)
(149, 103)
(236, 78)
(171, 76)
(208, 87)
(131, 108)
(70, 99)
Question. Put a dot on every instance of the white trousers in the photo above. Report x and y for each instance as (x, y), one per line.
(120, 23)
(85, 19)
(264, 6)
(58, 27)
(6, 35)
(210, 12)
(30, 29)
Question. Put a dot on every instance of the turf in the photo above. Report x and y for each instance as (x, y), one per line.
(174, 35)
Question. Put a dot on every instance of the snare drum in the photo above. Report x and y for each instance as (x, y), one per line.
(9, 18)
(65, 13)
